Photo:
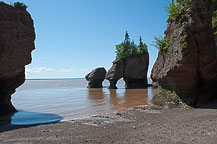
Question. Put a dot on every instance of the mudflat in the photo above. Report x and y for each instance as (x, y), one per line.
(140, 125)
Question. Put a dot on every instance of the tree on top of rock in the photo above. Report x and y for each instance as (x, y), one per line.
(127, 37)
(129, 49)
(142, 47)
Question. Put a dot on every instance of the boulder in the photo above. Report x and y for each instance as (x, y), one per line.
(96, 77)
(132, 69)
(17, 36)
(189, 66)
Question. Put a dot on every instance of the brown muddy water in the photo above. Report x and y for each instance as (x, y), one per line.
(70, 99)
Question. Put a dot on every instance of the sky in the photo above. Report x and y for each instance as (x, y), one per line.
(74, 37)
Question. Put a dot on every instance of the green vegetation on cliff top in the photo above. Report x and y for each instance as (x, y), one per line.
(17, 5)
(129, 49)
(176, 8)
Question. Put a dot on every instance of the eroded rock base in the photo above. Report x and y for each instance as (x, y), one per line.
(7, 88)
(95, 85)
(135, 83)
(113, 85)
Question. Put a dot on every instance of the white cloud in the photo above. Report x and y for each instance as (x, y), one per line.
(65, 70)
(39, 70)
(46, 70)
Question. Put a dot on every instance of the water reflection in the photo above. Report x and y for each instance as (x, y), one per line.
(135, 97)
(114, 99)
(96, 94)
(151, 92)
(128, 98)
(108, 100)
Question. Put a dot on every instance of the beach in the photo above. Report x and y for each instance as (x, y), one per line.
(139, 125)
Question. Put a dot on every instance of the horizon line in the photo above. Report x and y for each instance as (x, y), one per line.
(51, 78)
(56, 78)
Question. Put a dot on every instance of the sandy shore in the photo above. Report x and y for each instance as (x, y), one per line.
(137, 126)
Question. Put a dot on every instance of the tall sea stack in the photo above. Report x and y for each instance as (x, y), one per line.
(132, 69)
(189, 65)
(17, 36)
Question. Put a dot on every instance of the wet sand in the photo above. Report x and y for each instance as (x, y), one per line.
(141, 125)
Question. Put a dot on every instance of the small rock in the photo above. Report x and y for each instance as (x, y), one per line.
(45, 130)
(118, 113)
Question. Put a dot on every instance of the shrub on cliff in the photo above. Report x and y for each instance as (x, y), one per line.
(176, 8)
(129, 49)
(20, 5)
(161, 44)
(17, 5)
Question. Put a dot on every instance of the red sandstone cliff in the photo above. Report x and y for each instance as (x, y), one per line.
(189, 67)
(17, 36)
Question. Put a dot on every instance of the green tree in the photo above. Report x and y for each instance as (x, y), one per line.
(129, 49)
(142, 47)
(133, 47)
(127, 37)
(124, 49)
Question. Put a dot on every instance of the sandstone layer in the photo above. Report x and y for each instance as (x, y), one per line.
(17, 36)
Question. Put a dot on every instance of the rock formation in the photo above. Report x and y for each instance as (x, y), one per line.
(17, 38)
(133, 70)
(189, 67)
(96, 77)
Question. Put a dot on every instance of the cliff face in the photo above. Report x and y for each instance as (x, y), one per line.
(133, 70)
(189, 67)
(17, 36)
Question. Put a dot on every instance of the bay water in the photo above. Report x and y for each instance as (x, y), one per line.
(71, 99)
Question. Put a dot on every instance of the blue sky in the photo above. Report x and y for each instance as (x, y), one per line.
(76, 36)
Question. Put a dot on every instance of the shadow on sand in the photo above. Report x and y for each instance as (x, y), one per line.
(23, 119)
